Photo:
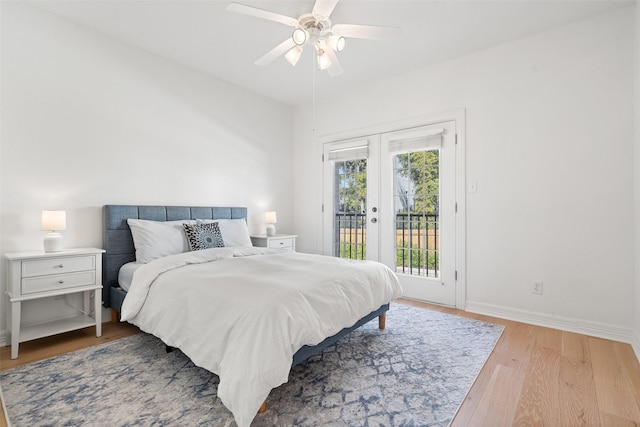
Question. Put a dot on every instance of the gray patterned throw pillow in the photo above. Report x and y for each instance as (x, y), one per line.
(203, 236)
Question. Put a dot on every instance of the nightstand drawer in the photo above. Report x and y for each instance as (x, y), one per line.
(281, 243)
(57, 266)
(54, 282)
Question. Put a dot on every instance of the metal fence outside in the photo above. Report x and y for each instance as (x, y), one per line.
(417, 241)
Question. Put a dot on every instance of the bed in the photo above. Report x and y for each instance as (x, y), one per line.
(158, 296)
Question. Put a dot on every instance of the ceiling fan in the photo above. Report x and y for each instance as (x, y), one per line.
(316, 29)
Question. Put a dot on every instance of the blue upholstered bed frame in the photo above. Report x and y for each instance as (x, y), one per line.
(119, 250)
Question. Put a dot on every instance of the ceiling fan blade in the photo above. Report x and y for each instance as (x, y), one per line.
(260, 13)
(323, 8)
(366, 31)
(335, 69)
(281, 49)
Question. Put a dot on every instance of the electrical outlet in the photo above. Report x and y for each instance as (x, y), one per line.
(536, 287)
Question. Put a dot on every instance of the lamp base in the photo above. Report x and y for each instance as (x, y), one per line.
(271, 230)
(53, 242)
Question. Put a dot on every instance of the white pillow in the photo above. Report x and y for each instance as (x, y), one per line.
(156, 239)
(234, 231)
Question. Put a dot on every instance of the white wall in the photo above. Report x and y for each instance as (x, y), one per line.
(637, 184)
(549, 139)
(88, 121)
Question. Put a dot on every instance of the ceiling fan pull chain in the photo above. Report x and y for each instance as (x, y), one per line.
(313, 97)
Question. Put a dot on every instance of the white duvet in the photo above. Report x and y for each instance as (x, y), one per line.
(242, 313)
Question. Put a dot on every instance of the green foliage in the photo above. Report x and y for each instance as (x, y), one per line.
(417, 258)
(417, 242)
(353, 251)
(417, 180)
(409, 258)
(351, 185)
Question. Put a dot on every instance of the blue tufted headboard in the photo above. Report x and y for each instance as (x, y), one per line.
(118, 242)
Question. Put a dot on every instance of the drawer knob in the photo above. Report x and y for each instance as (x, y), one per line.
(61, 281)
(60, 266)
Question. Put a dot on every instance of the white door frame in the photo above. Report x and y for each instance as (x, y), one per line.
(457, 115)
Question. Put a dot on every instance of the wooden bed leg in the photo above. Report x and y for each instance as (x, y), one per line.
(263, 407)
(114, 316)
(381, 320)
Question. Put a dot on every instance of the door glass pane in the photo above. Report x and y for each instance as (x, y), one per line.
(350, 207)
(416, 198)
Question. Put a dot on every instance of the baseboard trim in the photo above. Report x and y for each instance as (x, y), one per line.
(4, 338)
(636, 345)
(580, 326)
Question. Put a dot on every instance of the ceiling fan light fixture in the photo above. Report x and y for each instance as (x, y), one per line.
(323, 60)
(317, 29)
(299, 36)
(337, 43)
(294, 55)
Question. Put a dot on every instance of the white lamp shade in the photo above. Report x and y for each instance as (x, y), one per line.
(54, 220)
(294, 55)
(270, 218)
(323, 60)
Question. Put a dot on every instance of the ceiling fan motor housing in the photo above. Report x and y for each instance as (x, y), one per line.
(315, 27)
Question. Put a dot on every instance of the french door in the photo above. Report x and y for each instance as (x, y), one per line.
(351, 175)
(390, 197)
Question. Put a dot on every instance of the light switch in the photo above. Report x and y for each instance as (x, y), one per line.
(473, 186)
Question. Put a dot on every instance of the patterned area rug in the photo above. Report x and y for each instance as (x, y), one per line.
(414, 373)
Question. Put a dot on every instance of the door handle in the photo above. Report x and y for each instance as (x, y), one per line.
(374, 220)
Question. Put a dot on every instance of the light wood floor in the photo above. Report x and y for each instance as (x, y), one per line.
(535, 376)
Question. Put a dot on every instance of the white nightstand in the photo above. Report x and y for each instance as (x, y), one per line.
(282, 241)
(34, 275)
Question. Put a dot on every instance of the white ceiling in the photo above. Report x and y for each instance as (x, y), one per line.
(204, 36)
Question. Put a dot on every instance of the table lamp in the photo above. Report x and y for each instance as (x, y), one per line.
(270, 219)
(53, 221)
